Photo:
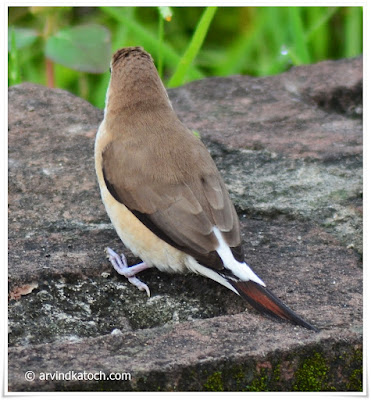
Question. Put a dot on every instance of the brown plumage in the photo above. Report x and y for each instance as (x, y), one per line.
(160, 186)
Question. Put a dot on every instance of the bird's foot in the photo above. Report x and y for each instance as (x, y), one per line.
(121, 266)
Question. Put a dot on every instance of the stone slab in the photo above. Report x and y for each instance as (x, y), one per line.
(290, 150)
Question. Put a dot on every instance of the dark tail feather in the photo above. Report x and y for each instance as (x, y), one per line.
(267, 303)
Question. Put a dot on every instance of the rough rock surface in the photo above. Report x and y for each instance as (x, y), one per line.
(290, 150)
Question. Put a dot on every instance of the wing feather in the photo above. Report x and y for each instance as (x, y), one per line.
(180, 204)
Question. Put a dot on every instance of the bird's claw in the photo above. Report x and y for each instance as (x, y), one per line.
(120, 264)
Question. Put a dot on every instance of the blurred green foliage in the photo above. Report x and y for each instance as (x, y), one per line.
(70, 47)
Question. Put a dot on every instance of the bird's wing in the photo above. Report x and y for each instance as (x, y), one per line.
(179, 195)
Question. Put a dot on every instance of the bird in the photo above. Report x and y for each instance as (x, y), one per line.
(163, 192)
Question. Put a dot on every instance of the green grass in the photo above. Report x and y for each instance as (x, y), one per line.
(14, 70)
(194, 47)
(186, 43)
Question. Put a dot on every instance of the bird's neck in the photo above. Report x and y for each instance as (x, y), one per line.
(134, 96)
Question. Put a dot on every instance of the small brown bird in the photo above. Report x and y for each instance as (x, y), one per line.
(163, 192)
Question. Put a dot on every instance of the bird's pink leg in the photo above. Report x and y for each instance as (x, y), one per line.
(121, 266)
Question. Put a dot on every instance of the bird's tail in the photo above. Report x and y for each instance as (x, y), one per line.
(267, 303)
